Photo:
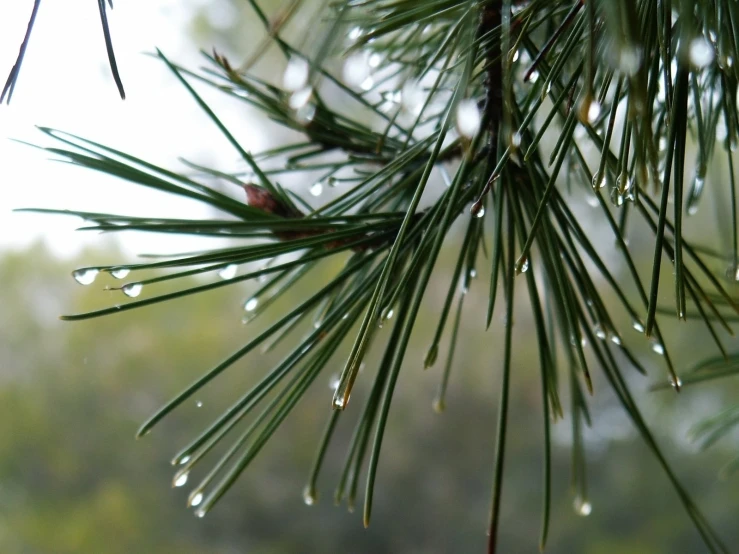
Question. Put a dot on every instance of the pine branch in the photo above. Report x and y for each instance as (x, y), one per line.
(519, 107)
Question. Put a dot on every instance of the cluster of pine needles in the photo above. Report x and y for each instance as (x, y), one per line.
(515, 108)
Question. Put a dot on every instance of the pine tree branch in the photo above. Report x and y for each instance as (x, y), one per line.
(482, 84)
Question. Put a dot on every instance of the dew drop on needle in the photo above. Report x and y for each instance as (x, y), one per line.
(228, 272)
(120, 273)
(468, 118)
(85, 276)
(296, 74)
(316, 189)
(309, 496)
(132, 290)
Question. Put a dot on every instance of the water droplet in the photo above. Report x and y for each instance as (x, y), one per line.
(196, 499)
(675, 383)
(438, 405)
(367, 84)
(473, 273)
(624, 190)
(638, 325)
(582, 507)
(589, 110)
(180, 480)
(615, 339)
(228, 272)
(251, 304)
(309, 496)
(305, 113)
(599, 180)
(199, 404)
(515, 140)
(296, 74)
(316, 189)
(658, 348)
(132, 290)
(374, 60)
(516, 56)
(522, 265)
(479, 212)
(392, 97)
(617, 199)
(547, 89)
(390, 314)
(184, 460)
(698, 183)
(339, 403)
(120, 273)
(355, 33)
(300, 98)
(629, 59)
(468, 118)
(85, 276)
(533, 76)
(593, 111)
(701, 52)
(356, 69)
(599, 332)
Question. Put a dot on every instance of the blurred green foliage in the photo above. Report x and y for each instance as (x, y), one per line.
(73, 479)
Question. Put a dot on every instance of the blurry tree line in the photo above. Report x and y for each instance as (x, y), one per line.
(73, 480)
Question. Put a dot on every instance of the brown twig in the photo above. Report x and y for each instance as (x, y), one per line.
(261, 199)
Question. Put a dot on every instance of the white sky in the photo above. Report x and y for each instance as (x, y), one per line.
(65, 83)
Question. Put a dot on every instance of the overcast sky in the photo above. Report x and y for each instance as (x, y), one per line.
(65, 83)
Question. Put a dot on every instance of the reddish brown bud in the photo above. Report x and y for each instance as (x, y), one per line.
(261, 199)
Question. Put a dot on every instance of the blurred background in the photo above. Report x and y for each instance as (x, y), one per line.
(74, 480)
